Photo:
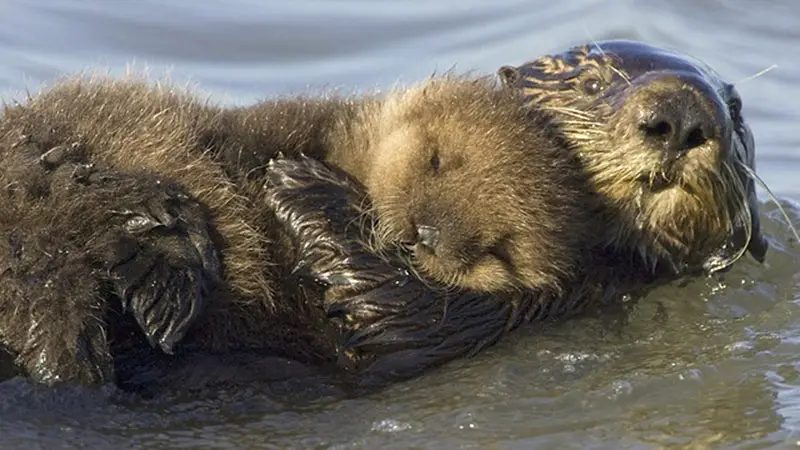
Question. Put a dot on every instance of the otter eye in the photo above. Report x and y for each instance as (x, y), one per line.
(435, 162)
(592, 86)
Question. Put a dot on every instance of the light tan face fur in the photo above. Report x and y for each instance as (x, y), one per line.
(467, 161)
(685, 205)
(673, 206)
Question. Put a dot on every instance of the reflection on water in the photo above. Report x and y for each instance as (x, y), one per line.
(711, 364)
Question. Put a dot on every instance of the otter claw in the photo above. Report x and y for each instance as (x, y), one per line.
(140, 224)
(57, 155)
(54, 156)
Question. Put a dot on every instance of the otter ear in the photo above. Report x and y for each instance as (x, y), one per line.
(509, 76)
(758, 243)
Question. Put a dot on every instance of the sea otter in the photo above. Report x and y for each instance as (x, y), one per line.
(137, 220)
(670, 160)
(368, 307)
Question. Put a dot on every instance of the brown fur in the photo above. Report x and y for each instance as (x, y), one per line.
(677, 202)
(136, 213)
(505, 197)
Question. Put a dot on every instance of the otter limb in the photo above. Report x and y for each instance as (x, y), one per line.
(70, 238)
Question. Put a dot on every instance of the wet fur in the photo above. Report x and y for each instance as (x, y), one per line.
(140, 223)
(695, 214)
(354, 300)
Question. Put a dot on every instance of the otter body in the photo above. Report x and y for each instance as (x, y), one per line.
(138, 220)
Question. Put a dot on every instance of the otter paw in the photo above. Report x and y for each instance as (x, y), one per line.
(326, 213)
(160, 259)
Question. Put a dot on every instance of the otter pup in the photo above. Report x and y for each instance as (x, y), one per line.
(667, 150)
(136, 215)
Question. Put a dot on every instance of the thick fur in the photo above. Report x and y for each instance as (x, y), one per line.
(662, 212)
(139, 219)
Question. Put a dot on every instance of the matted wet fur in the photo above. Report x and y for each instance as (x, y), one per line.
(664, 142)
(137, 222)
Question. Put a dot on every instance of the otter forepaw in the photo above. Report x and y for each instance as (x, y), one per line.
(161, 259)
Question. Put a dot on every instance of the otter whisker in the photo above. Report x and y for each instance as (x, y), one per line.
(574, 136)
(366, 220)
(756, 75)
(593, 41)
(728, 177)
(568, 109)
(583, 123)
(752, 174)
(572, 112)
(410, 264)
(587, 132)
(581, 126)
(621, 74)
(738, 201)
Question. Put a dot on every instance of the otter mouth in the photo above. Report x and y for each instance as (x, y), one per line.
(434, 259)
(669, 177)
(669, 174)
(657, 182)
(465, 263)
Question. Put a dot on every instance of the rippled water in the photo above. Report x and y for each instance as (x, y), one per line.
(710, 365)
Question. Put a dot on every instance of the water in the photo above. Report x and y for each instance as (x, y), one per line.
(710, 365)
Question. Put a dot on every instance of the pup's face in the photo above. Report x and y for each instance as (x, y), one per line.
(462, 178)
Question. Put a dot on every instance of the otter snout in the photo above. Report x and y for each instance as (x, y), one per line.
(677, 115)
(677, 129)
(445, 243)
(428, 237)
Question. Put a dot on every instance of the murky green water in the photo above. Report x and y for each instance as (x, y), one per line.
(710, 365)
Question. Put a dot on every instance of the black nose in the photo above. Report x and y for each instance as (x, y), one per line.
(678, 123)
(428, 236)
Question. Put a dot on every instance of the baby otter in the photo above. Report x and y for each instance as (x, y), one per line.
(137, 213)
(664, 142)
(423, 155)
(487, 201)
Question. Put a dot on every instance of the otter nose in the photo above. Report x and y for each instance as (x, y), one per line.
(678, 124)
(428, 236)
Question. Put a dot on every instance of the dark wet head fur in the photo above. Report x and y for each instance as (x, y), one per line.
(461, 172)
(664, 139)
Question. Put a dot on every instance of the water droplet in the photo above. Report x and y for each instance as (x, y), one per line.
(390, 426)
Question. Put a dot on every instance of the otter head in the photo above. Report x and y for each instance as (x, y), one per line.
(666, 146)
(452, 177)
